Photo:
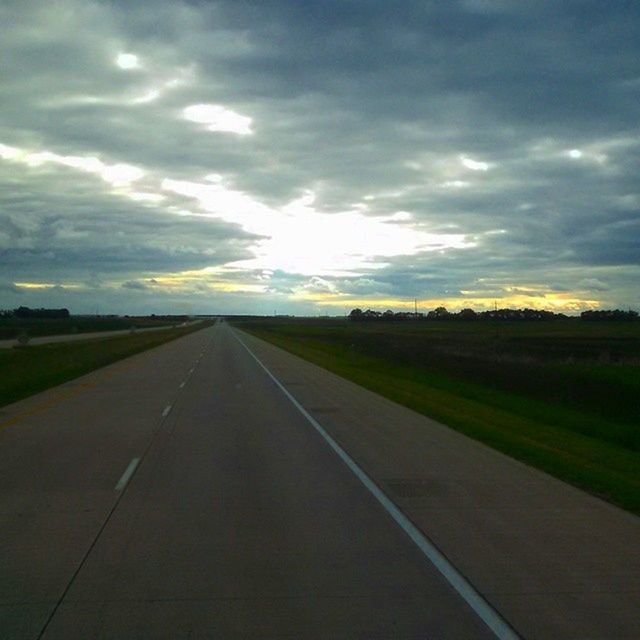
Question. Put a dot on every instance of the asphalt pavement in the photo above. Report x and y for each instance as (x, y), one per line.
(205, 489)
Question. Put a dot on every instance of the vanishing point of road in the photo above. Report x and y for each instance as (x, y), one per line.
(219, 487)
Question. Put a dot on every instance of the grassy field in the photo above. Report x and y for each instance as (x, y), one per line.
(11, 327)
(28, 370)
(560, 395)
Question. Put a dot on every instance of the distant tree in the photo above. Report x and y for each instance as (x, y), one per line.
(439, 313)
(467, 314)
(356, 314)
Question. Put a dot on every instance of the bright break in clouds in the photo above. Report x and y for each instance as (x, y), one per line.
(240, 157)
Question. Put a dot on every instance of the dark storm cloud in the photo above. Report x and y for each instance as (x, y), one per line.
(374, 103)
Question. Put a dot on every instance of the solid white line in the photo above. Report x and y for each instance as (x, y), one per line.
(165, 413)
(498, 625)
(122, 483)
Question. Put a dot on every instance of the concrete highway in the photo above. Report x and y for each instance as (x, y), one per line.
(72, 337)
(208, 489)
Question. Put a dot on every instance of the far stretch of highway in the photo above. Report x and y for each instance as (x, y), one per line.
(219, 487)
(72, 337)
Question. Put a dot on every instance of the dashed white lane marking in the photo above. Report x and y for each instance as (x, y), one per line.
(165, 413)
(190, 370)
(182, 385)
(483, 609)
(126, 476)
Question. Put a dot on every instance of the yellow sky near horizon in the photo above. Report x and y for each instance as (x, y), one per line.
(536, 298)
(560, 302)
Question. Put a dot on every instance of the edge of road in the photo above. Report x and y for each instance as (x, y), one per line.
(529, 583)
(11, 343)
(499, 626)
(16, 411)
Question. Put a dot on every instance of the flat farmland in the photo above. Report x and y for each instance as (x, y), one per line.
(12, 327)
(561, 395)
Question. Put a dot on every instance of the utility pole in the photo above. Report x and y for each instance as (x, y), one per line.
(497, 338)
(415, 306)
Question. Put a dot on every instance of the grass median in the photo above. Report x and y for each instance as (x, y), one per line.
(30, 369)
(12, 327)
(575, 420)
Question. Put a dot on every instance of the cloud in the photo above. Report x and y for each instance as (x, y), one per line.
(218, 118)
(119, 174)
(128, 61)
(451, 146)
(319, 285)
(593, 284)
(69, 228)
(10, 288)
(474, 165)
(136, 285)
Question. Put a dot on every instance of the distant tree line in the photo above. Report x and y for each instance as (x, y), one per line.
(26, 312)
(441, 313)
(609, 314)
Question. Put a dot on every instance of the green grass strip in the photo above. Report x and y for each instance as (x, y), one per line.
(529, 430)
(31, 369)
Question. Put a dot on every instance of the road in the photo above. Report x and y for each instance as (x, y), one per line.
(182, 494)
(72, 337)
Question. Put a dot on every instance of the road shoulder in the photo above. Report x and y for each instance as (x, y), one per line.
(555, 561)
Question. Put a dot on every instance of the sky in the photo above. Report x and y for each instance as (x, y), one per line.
(307, 158)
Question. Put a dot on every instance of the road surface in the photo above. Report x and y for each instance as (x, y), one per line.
(72, 337)
(182, 494)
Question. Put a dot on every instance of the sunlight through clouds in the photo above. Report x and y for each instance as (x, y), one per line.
(590, 155)
(218, 118)
(10, 153)
(142, 139)
(119, 174)
(150, 96)
(128, 61)
(474, 165)
(300, 239)
(455, 184)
